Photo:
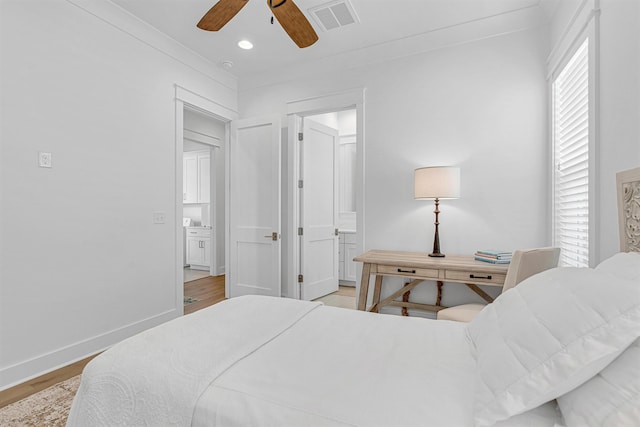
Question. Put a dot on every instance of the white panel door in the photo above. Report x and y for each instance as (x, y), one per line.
(319, 210)
(254, 207)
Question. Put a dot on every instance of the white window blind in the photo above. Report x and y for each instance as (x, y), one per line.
(571, 158)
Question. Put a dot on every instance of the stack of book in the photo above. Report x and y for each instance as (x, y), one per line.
(493, 256)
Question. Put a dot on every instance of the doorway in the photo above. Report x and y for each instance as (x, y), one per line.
(244, 133)
(327, 152)
(202, 182)
(187, 102)
(350, 193)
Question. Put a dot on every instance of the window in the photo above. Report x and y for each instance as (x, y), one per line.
(571, 157)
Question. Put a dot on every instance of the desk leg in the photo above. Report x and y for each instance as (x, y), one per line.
(364, 286)
(405, 298)
(439, 297)
(376, 294)
(480, 292)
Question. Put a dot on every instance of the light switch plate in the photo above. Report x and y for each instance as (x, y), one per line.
(158, 217)
(44, 159)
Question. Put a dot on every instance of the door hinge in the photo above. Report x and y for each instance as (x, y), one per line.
(299, 231)
(300, 277)
(300, 135)
(300, 184)
(337, 231)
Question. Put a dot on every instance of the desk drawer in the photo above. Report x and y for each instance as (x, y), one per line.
(475, 277)
(391, 270)
(198, 232)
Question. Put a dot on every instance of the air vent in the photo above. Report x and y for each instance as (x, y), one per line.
(334, 14)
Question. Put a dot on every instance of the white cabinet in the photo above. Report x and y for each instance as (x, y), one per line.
(204, 180)
(347, 251)
(196, 181)
(349, 263)
(190, 178)
(198, 248)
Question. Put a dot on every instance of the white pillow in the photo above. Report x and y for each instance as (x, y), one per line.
(548, 335)
(611, 398)
(623, 264)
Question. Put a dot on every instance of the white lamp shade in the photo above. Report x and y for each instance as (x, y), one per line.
(440, 182)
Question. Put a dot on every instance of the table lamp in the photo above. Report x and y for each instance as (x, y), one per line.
(435, 183)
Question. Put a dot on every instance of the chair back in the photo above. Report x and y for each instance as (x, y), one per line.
(526, 263)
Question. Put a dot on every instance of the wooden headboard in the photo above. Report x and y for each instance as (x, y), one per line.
(628, 184)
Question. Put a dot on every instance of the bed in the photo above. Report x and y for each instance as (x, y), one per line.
(526, 360)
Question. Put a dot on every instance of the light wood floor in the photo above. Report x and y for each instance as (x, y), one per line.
(208, 291)
(347, 291)
(24, 390)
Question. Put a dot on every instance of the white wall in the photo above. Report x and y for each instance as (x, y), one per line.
(479, 105)
(347, 122)
(619, 109)
(619, 142)
(344, 121)
(81, 263)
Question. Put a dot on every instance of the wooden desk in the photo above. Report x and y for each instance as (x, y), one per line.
(421, 267)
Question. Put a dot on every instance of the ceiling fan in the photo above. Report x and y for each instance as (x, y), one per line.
(289, 16)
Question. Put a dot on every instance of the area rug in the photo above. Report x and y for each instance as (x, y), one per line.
(47, 408)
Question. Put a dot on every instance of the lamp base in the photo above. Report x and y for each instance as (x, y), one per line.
(436, 237)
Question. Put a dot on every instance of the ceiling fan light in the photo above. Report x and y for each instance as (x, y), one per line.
(245, 44)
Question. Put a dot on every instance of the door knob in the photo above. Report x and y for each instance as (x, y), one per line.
(273, 236)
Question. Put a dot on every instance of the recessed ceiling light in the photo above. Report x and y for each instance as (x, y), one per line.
(245, 44)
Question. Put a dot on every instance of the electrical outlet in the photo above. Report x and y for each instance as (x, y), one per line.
(158, 217)
(44, 159)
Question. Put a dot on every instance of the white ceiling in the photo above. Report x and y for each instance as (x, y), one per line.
(384, 27)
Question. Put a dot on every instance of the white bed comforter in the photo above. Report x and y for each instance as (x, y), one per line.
(157, 377)
(260, 361)
(343, 367)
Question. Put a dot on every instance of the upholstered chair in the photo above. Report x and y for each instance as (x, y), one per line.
(524, 263)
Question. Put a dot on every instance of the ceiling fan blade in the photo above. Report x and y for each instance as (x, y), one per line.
(294, 22)
(220, 14)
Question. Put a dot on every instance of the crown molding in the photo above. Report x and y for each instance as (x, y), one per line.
(462, 33)
(133, 26)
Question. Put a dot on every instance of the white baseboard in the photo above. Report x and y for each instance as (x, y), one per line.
(40, 365)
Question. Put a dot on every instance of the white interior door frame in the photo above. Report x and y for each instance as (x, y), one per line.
(190, 99)
(351, 99)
